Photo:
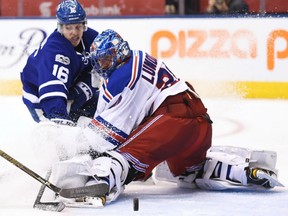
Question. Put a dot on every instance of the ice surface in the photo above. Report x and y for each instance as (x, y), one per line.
(257, 124)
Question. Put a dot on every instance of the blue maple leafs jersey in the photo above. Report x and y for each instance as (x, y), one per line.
(52, 70)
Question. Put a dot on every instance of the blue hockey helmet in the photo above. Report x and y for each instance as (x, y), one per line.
(108, 51)
(70, 12)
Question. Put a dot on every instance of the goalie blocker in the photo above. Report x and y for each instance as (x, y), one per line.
(229, 167)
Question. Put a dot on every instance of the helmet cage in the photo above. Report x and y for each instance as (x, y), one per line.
(104, 61)
(106, 54)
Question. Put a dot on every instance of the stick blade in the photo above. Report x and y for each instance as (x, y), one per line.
(89, 191)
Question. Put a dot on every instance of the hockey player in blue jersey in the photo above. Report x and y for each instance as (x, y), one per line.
(56, 78)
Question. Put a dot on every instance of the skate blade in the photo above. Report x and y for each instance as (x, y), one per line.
(273, 180)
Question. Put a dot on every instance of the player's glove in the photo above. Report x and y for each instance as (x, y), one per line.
(80, 94)
(63, 122)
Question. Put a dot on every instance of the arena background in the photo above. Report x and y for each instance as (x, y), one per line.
(243, 56)
(229, 59)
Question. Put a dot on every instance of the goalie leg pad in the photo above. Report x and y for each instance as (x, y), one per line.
(257, 158)
(223, 167)
(112, 168)
(71, 173)
(229, 167)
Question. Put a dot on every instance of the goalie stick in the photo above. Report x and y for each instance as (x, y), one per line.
(92, 190)
(61, 203)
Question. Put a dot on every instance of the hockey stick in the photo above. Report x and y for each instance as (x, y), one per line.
(47, 206)
(92, 190)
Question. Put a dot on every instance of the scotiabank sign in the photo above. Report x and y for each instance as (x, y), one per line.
(46, 8)
(198, 49)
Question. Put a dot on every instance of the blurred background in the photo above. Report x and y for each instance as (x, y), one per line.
(226, 48)
(45, 8)
(234, 52)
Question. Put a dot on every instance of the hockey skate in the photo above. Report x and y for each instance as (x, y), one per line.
(262, 177)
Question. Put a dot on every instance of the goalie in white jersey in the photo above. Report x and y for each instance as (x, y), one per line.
(145, 115)
(146, 112)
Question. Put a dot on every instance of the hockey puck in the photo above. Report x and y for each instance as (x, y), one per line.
(135, 204)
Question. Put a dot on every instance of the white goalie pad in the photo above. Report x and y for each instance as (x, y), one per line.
(75, 171)
(238, 157)
(71, 173)
(216, 184)
(255, 158)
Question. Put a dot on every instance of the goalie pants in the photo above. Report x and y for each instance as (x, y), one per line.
(179, 131)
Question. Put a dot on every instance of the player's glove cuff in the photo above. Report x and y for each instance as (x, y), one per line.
(63, 122)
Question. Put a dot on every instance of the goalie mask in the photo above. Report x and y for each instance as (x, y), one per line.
(107, 52)
(70, 12)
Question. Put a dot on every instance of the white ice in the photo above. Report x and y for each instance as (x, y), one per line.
(256, 124)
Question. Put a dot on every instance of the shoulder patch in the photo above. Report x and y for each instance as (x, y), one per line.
(62, 59)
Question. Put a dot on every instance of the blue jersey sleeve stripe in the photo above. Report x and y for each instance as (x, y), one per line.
(53, 94)
(30, 97)
(53, 82)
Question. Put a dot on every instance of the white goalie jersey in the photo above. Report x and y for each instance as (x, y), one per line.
(132, 93)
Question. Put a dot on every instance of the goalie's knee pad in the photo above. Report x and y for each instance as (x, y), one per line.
(113, 168)
(110, 167)
(119, 168)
